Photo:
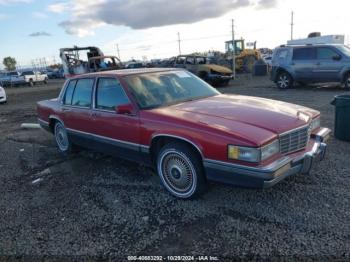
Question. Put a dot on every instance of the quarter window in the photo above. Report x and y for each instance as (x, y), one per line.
(67, 100)
(110, 94)
(325, 53)
(82, 93)
(303, 54)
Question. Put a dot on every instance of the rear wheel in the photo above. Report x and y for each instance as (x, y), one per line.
(62, 140)
(284, 80)
(181, 171)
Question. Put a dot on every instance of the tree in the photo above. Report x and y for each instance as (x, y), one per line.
(9, 63)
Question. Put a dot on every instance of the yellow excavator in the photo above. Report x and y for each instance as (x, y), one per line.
(245, 57)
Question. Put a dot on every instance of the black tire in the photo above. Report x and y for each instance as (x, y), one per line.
(62, 139)
(284, 80)
(181, 170)
(203, 75)
(347, 82)
(31, 83)
(225, 82)
(45, 81)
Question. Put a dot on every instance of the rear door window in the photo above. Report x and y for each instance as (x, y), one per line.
(82, 92)
(110, 94)
(307, 53)
(325, 53)
(67, 99)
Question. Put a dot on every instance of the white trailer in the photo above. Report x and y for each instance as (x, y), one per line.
(325, 39)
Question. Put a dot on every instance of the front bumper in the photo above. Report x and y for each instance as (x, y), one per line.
(218, 77)
(267, 176)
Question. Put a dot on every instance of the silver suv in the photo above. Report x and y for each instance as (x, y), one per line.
(311, 64)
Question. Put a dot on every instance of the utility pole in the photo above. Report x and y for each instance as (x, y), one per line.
(118, 52)
(233, 50)
(291, 26)
(179, 40)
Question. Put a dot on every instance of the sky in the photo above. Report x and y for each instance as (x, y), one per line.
(148, 29)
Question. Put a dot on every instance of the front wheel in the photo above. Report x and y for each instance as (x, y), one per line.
(181, 171)
(347, 82)
(284, 81)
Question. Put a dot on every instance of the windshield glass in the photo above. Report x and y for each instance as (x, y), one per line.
(166, 88)
(345, 50)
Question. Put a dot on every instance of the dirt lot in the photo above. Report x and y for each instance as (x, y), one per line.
(89, 204)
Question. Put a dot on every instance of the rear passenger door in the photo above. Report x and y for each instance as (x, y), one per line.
(329, 65)
(304, 63)
(76, 110)
(117, 134)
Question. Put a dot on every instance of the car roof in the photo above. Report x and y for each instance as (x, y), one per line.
(126, 72)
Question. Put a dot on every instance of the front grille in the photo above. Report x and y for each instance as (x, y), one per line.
(294, 140)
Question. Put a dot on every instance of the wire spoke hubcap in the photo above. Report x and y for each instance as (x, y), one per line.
(61, 138)
(177, 172)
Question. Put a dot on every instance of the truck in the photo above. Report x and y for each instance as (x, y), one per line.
(33, 77)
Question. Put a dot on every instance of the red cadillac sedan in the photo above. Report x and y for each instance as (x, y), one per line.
(186, 129)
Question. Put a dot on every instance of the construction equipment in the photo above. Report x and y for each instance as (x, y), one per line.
(245, 57)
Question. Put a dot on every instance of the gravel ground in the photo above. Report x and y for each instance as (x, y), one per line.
(91, 205)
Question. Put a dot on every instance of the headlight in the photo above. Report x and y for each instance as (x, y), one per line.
(251, 154)
(270, 149)
(315, 123)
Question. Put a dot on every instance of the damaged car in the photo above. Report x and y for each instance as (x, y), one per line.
(201, 66)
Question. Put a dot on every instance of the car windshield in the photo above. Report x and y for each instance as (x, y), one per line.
(345, 50)
(153, 90)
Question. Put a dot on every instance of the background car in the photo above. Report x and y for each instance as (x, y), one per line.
(201, 66)
(3, 98)
(311, 64)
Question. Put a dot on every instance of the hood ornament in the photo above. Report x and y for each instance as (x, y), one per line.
(303, 116)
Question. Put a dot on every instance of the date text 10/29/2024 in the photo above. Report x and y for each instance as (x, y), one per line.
(173, 258)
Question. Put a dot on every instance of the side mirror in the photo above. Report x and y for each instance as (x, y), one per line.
(336, 57)
(125, 109)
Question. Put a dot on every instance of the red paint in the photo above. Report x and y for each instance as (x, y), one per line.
(211, 123)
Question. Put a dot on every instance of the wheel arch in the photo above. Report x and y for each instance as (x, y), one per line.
(283, 70)
(52, 122)
(158, 141)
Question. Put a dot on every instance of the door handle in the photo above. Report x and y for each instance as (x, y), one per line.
(65, 109)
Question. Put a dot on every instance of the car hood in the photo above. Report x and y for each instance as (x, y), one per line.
(257, 119)
(217, 68)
